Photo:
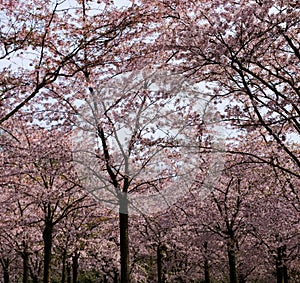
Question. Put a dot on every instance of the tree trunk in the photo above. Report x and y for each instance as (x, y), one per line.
(279, 273)
(123, 209)
(124, 239)
(75, 266)
(6, 276)
(206, 264)
(124, 247)
(47, 238)
(232, 261)
(5, 266)
(281, 268)
(25, 258)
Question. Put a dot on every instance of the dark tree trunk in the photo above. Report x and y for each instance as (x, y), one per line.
(232, 261)
(281, 268)
(25, 258)
(279, 273)
(206, 271)
(123, 209)
(6, 276)
(159, 257)
(124, 238)
(206, 264)
(124, 247)
(5, 267)
(75, 266)
(47, 238)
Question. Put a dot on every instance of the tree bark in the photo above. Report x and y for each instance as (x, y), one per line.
(6, 276)
(75, 266)
(123, 209)
(281, 268)
(206, 264)
(47, 238)
(232, 261)
(124, 247)
(159, 258)
(5, 266)
(25, 258)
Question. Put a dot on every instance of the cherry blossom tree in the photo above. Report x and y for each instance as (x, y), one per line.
(137, 142)
(44, 185)
(57, 55)
(254, 228)
(274, 222)
(48, 47)
(247, 54)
